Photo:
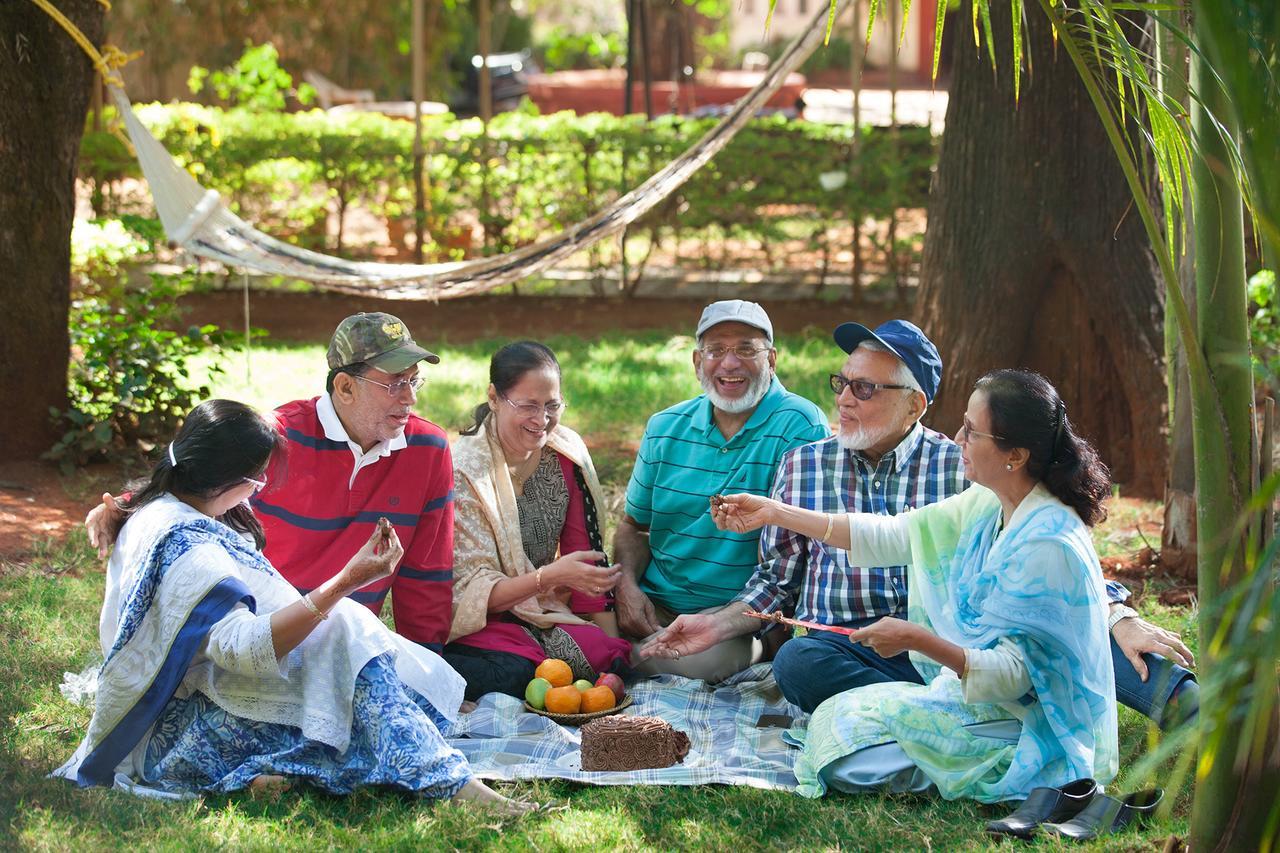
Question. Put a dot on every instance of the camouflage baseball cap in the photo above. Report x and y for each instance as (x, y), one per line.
(380, 340)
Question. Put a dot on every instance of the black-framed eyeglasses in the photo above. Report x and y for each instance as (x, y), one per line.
(967, 432)
(552, 410)
(862, 390)
(395, 389)
(746, 352)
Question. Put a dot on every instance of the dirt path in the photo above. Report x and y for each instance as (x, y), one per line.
(35, 503)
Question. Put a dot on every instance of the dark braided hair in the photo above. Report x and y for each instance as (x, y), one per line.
(1027, 411)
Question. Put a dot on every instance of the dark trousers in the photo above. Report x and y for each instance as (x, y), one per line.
(820, 664)
(813, 668)
(488, 671)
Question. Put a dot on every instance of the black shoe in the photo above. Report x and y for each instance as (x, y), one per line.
(1107, 814)
(1045, 804)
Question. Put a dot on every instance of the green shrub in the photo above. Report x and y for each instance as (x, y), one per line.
(128, 382)
(1264, 329)
(534, 175)
(99, 250)
(255, 81)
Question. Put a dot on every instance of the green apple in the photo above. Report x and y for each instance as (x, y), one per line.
(583, 685)
(536, 693)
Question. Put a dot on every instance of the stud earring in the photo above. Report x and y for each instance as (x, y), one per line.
(1008, 466)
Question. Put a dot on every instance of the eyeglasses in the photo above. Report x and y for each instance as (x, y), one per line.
(258, 485)
(967, 432)
(862, 390)
(746, 352)
(395, 389)
(552, 410)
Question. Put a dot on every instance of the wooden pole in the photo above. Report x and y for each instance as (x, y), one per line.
(484, 31)
(856, 47)
(644, 56)
(891, 236)
(419, 94)
(627, 97)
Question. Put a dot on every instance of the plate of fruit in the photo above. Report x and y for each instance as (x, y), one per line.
(554, 693)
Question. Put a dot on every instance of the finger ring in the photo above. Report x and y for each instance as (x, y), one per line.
(677, 653)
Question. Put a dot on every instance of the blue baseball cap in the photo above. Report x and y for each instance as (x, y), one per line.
(903, 339)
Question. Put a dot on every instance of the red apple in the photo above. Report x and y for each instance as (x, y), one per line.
(614, 683)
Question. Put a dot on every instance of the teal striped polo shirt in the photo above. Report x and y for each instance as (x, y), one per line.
(683, 461)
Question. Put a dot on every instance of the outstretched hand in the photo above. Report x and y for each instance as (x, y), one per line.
(687, 635)
(740, 513)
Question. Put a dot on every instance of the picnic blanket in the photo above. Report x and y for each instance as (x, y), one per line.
(502, 740)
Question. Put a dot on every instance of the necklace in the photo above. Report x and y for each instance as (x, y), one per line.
(523, 470)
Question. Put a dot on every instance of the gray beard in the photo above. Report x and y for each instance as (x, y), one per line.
(757, 387)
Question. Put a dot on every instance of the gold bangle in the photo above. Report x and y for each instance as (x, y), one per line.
(315, 611)
(831, 522)
(537, 577)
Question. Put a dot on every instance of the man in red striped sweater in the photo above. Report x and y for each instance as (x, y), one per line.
(354, 454)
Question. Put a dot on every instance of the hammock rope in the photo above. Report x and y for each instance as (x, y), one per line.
(195, 218)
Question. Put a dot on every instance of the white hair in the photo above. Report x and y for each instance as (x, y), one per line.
(902, 374)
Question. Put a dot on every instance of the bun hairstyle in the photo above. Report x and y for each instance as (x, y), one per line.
(1027, 411)
(221, 443)
(507, 367)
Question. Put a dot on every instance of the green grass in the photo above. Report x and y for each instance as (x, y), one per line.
(48, 625)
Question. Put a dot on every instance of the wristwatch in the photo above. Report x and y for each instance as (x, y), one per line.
(1118, 613)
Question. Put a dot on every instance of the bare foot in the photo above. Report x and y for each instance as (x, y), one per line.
(269, 786)
(467, 707)
(485, 797)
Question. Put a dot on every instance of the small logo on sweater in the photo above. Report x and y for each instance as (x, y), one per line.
(393, 501)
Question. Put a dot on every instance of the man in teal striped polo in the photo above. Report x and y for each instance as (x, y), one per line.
(728, 439)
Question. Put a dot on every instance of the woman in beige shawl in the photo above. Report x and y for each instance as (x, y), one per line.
(525, 491)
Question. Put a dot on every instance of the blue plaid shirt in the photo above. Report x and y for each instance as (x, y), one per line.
(818, 579)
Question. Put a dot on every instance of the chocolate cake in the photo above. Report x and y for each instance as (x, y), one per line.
(631, 743)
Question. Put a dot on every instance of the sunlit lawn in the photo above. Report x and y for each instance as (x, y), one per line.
(48, 625)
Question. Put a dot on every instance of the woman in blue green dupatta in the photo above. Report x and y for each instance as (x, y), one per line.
(1007, 617)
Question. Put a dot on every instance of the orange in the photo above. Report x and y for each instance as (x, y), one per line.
(598, 699)
(564, 700)
(556, 671)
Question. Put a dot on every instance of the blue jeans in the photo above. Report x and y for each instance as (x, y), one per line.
(813, 668)
(1149, 698)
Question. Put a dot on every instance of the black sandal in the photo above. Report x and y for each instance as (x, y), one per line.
(1107, 814)
(1045, 804)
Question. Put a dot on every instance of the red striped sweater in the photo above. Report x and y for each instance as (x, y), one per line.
(314, 522)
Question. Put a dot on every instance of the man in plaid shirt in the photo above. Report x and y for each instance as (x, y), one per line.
(884, 461)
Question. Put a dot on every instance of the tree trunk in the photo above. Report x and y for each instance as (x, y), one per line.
(1238, 773)
(1178, 535)
(1033, 257)
(45, 82)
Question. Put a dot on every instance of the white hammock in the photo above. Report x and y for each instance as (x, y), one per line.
(198, 221)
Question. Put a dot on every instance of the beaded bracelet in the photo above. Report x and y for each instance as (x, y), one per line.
(311, 605)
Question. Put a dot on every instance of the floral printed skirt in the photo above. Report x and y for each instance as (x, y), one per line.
(395, 741)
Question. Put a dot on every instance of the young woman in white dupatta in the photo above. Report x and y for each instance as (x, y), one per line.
(1007, 617)
(219, 676)
(528, 579)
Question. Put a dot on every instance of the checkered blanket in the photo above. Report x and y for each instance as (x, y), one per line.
(503, 741)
